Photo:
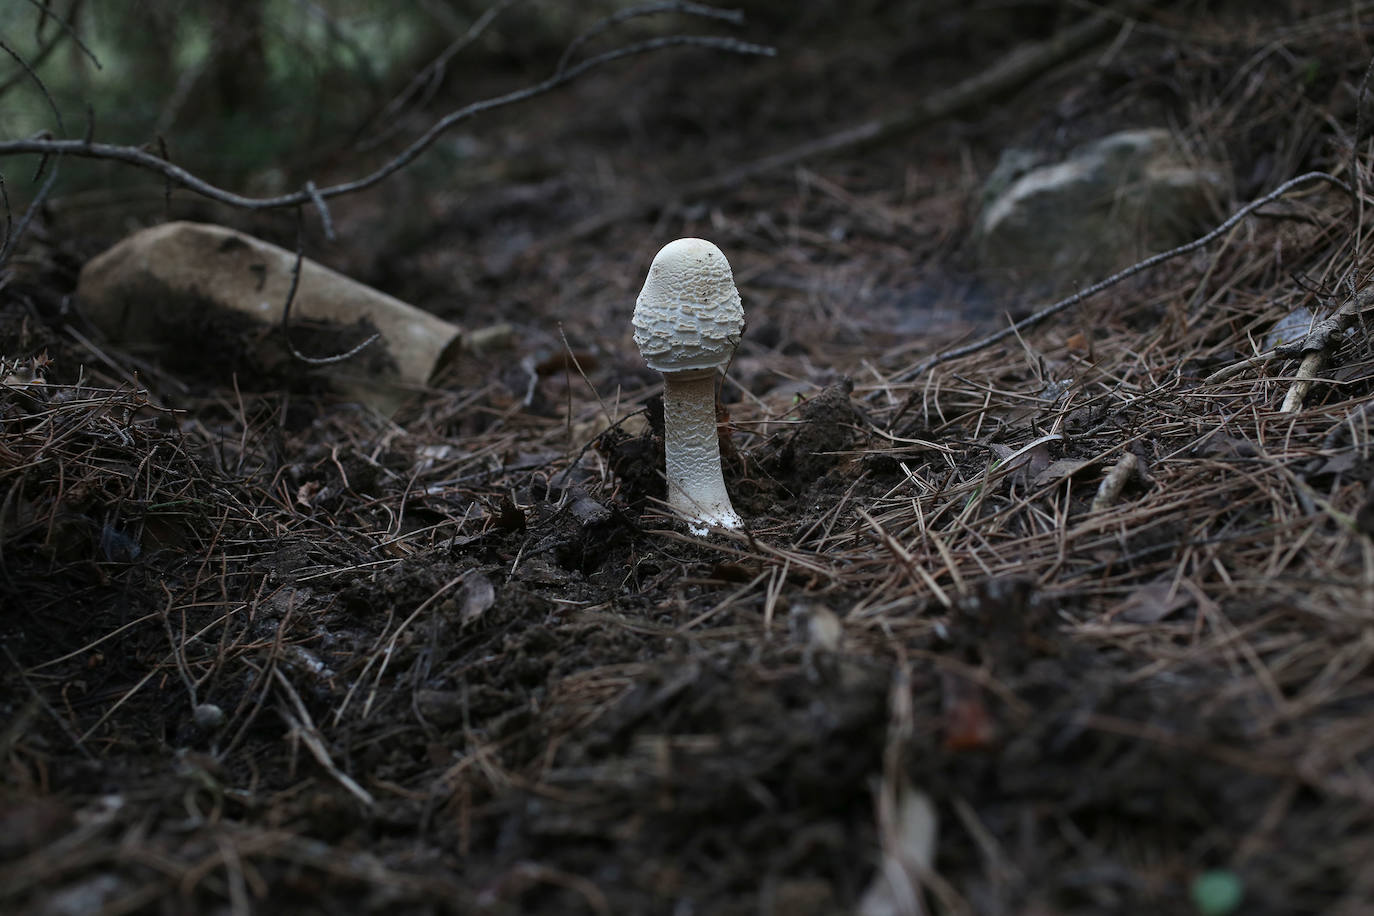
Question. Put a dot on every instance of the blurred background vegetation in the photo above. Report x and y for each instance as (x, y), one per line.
(249, 90)
(257, 96)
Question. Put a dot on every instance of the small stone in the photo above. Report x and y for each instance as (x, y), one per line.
(208, 717)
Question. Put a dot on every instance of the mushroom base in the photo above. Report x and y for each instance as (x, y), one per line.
(696, 485)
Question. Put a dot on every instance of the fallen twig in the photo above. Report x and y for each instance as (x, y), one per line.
(303, 727)
(1109, 491)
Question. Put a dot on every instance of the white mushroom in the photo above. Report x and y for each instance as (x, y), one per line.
(688, 321)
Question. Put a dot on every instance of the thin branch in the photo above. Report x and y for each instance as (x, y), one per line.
(29, 71)
(9, 220)
(66, 31)
(68, 25)
(734, 17)
(424, 84)
(72, 736)
(325, 219)
(12, 238)
(144, 160)
(362, 65)
(303, 727)
(291, 298)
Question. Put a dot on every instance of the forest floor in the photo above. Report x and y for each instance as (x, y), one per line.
(266, 651)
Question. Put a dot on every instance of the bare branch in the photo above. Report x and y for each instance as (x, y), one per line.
(140, 158)
(1008, 74)
(362, 65)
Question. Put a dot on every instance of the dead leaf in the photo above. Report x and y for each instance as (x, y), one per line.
(967, 724)
(1341, 463)
(1025, 463)
(308, 493)
(1152, 603)
(1220, 445)
(1058, 470)
(475, 597)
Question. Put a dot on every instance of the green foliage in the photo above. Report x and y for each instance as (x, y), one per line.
(1217, 892)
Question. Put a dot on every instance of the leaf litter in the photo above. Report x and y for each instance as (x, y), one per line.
(464, 662)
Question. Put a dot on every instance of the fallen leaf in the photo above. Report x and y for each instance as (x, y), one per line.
(1025, 463)
(966, 722)
(1152, 603)
(475, 597)
(1058, 470)
(306, 495)
(1341, 463)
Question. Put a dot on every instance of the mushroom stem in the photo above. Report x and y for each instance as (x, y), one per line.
(696, 486)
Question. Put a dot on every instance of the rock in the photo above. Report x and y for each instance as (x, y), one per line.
(1109, 204)
(207, 301)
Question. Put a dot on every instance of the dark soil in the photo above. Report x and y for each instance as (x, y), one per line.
(266, 651)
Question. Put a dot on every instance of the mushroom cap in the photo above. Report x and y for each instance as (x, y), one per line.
(688, 315)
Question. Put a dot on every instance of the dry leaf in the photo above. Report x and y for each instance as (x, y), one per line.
(908, 853)
(308, 493)
(1152, 603)
(1058, 470)
(1025, 463)
(967, 724)
(474, 598)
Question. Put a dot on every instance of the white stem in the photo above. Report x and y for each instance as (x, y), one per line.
(696, 486)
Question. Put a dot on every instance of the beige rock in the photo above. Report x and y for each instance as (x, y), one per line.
(208, 300)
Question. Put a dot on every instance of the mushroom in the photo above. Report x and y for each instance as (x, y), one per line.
(688, 321)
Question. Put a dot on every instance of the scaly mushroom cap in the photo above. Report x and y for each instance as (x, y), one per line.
(688, 315)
